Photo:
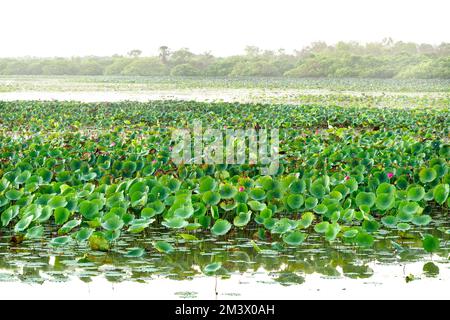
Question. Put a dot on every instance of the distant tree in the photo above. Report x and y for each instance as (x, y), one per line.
(164, 54)
(387, 42)
(181, 56)
(252, 51)
(135, 53)
(384, 59)
(145, 67)
(184, 69)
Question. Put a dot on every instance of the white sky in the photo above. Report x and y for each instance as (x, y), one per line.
(105, 27)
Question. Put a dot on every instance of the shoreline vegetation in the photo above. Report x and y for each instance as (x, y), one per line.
(381, 60)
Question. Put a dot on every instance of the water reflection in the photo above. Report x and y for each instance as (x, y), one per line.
(38, 262)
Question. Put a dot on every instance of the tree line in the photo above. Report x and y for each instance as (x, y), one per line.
(385, 59)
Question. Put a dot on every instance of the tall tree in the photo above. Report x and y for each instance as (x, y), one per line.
(164, 54)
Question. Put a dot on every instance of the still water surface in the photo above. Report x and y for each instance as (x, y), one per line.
(396, 267)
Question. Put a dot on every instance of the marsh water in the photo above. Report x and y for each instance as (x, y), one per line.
(396, 267)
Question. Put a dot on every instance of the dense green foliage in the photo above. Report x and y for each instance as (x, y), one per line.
(373, 60)
(93, 172)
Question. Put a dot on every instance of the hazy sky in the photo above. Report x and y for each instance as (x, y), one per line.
(105, 27)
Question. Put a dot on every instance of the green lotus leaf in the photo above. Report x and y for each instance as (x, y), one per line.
(242, 219)
(389, 221)
(321, 227)
(427, 175)
(228, 206)
(160, 192)
(35, 232)
(207, 184)
(63, 176)
(430, 269)
(306, 220)
(385, 187)
(98, 242)
(211, 198)
(422, 220)
(60, 241)
(409, 208)
(23, 177)
(266, 213)
(173, 184)
(83, 234)
(257, 206)
(135, 253)
(45, 174)
(317, 190)
(364, 240)
(295, 201)
(321, 209)
(351, 233)
(188, 237)
(281, 226)
(45, 215)
(311, 203)
(351, 184)
(241, 197)
(332, 232)
(294, 238)
(212, 268)
(402, 226)
(440, 193)
(61, 215)
(139, 225)
(370, 226)
(163, 247)
(193, 226)
(385, 201)
(138, 187)
(57, 202)
(112, 223)
(13, 195)
(138, 199)
(227, 191)
(9, 214)
(175, 223)
(148, 213)
(205, 221)
(157, 206)
(416, 193)
(69, 226)
(431, 243)
(120, 212)
(3, 201)
(365, 199)
(348, 215)
(221, 228)
(89, 210)
(298, 186)
(184, 212)
(257, 194)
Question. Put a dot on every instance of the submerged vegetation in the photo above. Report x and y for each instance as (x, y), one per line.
(91, 175)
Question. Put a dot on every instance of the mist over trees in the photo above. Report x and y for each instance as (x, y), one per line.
(386, 59)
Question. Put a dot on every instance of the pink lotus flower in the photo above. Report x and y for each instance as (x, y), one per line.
(154, 161)
(390, 175)
(347, 178)
(241, 189)
(113, 144)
